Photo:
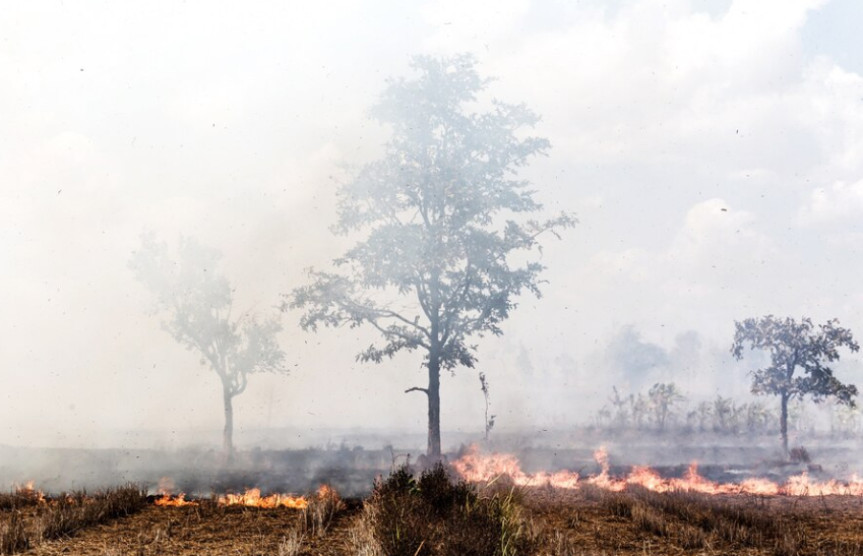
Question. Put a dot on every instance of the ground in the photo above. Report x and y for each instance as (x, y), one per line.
(588, 521)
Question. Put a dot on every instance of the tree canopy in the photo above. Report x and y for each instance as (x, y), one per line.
(196, 303)
(440, 256)
(796, 346)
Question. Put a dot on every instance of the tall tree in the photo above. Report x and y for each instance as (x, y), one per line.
(196, 302)
(444, 245)
(796, 346)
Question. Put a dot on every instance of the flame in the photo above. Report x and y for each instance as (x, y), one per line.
(476, 467)
(326, 491)
(166, 486)
(252, 497)
(29, 490)
(174, 501)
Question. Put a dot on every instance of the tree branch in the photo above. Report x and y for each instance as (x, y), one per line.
(417, 389)
(395, 332)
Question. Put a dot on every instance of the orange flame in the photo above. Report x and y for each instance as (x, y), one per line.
(174, 501)
(476, 467)
(166, 485)
(252, 497)
(29, 490)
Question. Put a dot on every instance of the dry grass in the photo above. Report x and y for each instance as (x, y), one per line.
(638, 521)
(432, 514)
(62, 516)
(321, 511)
(13, 535)
(70, 513)
(21, 497)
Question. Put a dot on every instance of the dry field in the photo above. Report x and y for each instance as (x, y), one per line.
(431, 515)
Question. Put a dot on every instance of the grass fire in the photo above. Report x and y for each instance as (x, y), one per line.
(436, 278)
(479, 504)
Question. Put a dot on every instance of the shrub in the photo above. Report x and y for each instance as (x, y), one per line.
(72, 512)
(321, 510)
(13, 537)
(435, 515)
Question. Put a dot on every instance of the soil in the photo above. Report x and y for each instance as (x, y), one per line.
(563, 522)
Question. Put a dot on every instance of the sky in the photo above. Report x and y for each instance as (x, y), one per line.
(712, 151)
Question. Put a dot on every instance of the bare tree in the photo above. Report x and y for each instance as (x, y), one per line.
(442, 255)
(489, 421)
(796, 346)
(196, 302)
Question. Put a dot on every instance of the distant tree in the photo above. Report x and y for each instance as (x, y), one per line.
(723, 411)
(640, 409)
(443, 252)
(621, 405)
(662, 398)
(196, 302)
(757, 417)
(703, 412)
(796, 346)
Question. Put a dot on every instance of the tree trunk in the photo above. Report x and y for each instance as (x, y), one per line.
(433, 451)
(783, 423)
(228, 434)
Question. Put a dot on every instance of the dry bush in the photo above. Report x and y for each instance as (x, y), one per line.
(435, 515)
(19, 498)
(72, 512)
(292, 543)
(320, 512)
(361, 537)
(13, 536)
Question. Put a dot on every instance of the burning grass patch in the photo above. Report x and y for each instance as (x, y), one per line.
(21, 497)
(320, 511)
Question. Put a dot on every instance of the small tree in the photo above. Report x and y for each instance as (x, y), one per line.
(489, 420)
(663, 397)
(796, 346)
(443, 248)
(723, 413)
(197, 302)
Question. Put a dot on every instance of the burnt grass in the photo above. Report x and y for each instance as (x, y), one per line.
(433, 513)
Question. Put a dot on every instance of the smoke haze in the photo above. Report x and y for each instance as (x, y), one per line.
(713, 152)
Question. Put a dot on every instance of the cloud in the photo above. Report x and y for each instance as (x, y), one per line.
(839, 202)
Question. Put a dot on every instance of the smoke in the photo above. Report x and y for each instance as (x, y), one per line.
(712, 155)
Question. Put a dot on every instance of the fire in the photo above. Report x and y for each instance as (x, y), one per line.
(252, 497)
(476, 467)
(174, 501)
(28, 490)
(166, 486)
(326, 492)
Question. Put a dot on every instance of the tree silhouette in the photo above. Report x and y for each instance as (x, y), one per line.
(443, 253)
(796, 346)
(196, 302)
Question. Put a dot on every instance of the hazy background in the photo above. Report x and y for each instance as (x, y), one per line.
(713, 151)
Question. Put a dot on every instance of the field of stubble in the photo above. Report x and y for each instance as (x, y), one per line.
(433, 515)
